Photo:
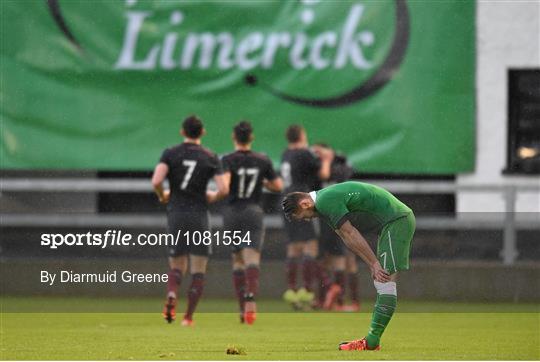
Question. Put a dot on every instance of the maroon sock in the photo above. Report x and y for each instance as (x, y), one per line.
(353, 287)
(239, 281)
(309, 268)
(339, 277)
(194, 294)
(291, 269)
(252, 280)
(173, 281)
(324, 283)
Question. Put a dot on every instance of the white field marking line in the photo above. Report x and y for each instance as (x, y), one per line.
(391, 252)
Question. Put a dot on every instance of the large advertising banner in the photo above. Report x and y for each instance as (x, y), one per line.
(106, 84)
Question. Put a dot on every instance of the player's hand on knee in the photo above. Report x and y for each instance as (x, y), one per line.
(379, 274)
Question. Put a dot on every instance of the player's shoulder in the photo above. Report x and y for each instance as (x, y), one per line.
(228, 156)
(174, 149)
(298, 153)
(341, 188)
(206, 152)
(308, 153)
(233, 157)
(324, 197)
(261, 156)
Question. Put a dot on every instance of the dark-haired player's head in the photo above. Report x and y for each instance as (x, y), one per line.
(192, 127)
(320, 147)
(298, 206)
(243, 133)
(296, 134)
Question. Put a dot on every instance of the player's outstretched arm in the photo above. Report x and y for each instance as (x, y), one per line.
(358, 244)
(160, 172)
(222, 182)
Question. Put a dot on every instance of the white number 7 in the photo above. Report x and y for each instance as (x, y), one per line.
(383, 255)
(190, 164)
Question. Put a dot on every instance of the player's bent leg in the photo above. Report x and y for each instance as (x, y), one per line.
(309, 271)
(294, 254)
(334, 297)
(239, 281)
(323, 278)
(179, 262)
(339, 277)
(393, 250)
(352, 280)
(385, 306)
(252, 259)
(178, 267)
(197, 265)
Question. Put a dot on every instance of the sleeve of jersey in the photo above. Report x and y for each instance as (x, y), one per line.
(165, 157)
(314, 161)
(225, 164)
(333, 209)
(270, 173)
(218, 167)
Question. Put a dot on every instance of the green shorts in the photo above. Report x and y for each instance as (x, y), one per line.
(394, 243)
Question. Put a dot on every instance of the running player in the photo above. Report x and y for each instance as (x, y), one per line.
(247, 172)
(364, 205)
(334, 257)
(302, 171)
(188, 167)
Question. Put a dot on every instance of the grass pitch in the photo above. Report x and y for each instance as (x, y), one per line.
(459, 331)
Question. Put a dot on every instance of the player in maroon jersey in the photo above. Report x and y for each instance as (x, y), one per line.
(188, 167)
(247, 172)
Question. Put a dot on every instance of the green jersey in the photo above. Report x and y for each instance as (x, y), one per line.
(366, 206)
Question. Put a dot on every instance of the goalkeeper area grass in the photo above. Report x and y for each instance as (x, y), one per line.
(80, 329)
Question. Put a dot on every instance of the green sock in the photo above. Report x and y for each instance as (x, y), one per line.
(385, 305)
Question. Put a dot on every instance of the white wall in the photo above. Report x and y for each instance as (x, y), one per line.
(508, 36)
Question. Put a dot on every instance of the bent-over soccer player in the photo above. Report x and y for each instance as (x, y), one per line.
(364, 204)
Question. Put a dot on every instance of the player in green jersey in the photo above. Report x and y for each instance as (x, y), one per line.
(352, 208)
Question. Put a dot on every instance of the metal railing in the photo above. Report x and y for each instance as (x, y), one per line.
(508, 223)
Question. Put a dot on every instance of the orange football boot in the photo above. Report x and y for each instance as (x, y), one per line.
(169, 310)
(250, 314)
(187, 322)
(357, 345)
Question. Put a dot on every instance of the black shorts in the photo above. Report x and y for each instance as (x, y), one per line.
(182, 222)
(300, 230)
(245, 218)
(329, 242)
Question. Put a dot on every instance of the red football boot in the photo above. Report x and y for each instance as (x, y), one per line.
(169, 312)
(187, 322)
(357, 345)
(250, 314)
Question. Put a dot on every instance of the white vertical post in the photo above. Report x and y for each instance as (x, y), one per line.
(509, 251)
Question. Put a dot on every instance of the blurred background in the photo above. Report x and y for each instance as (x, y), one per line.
(439, 102)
